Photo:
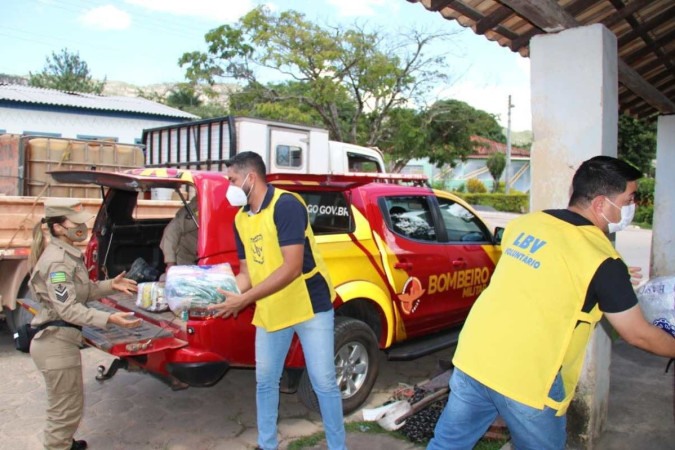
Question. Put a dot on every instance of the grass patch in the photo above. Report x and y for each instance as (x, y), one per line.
(350, 427)
(373, 428)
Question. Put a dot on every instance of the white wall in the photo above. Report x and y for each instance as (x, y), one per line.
(663, 236)
(71, 124)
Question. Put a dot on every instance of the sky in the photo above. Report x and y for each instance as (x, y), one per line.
(140, 41)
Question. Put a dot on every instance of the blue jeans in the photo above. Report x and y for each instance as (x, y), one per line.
(472, 407)
(316, 337)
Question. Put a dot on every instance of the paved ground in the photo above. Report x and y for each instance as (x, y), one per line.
(136, 411)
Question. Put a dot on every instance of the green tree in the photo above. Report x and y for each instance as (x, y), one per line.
(275, 101)
(66, 72)
(451, 123)
(637, 142)
(374, 72)
(404, 137)
(496, 164)
(183, 96)
(441, 133)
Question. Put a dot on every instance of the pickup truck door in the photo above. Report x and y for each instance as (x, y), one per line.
(414, 255)
(440, 256)
(471, 257)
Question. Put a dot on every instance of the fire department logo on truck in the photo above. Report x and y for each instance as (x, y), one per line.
(411, 296)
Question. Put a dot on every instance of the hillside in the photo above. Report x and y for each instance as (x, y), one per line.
(520, 138)
(124, 89)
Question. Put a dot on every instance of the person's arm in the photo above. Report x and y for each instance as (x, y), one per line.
(635, 275)
(277, 280)
(290, 219)
(63, 298)
(243, 278)
(634, 329)
(280, 278)
(617, 300)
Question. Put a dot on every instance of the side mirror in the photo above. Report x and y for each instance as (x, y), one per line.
(498, 234)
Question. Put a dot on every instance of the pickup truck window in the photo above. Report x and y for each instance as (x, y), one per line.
(460, 224)
(410, 217)
(328, 212)
(362, 163)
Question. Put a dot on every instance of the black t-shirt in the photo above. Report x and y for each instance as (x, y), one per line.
(610, 287)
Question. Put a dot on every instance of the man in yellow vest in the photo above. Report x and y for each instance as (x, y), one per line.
(282, 272)
(521, 350)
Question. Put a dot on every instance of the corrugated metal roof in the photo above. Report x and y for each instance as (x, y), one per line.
(645, 31)
(80, 100)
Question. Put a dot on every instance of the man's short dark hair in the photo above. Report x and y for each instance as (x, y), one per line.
(248, 161)
(601, 175)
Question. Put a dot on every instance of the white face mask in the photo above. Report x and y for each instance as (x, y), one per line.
(236, 196)
(627, 214)
(249, 189)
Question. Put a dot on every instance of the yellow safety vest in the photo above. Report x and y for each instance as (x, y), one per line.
(528, 324)
(292, 304)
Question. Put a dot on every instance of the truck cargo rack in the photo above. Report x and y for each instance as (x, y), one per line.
(347, 180)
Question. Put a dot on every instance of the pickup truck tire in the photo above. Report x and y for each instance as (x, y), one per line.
(357, 363)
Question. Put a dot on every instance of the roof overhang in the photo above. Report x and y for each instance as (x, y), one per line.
(645, 31)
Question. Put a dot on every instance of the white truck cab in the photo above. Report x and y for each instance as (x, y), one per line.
(285, 147)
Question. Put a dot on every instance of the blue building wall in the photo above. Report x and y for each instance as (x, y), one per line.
(455, 178)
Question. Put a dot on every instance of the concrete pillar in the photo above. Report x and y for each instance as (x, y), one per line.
(574, 80)
(663, 232)
(574, 107)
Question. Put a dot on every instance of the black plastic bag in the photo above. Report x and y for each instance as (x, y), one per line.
(24, 334)
(140, 271)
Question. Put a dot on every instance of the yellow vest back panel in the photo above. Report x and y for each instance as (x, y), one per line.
(528, 324)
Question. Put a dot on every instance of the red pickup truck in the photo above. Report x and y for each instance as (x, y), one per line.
(407, 263)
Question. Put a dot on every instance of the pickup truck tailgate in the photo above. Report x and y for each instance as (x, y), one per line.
(157, 332)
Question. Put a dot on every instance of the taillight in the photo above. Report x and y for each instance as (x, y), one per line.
(91, 258)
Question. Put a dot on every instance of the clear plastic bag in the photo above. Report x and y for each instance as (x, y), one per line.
(197, 286)
(151, 297)
(657, 301)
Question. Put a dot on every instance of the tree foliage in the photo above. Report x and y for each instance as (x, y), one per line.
(347, 77)
(441, 133)
(183, 96)
(255, 101)
(404, 137)
(65, 71)
(496, 164)
(637, 142)
(186, 97)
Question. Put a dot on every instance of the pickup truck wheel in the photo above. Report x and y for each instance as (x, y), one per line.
(357, 364)
(20, 316)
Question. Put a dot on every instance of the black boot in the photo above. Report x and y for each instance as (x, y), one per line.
(78, 445)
